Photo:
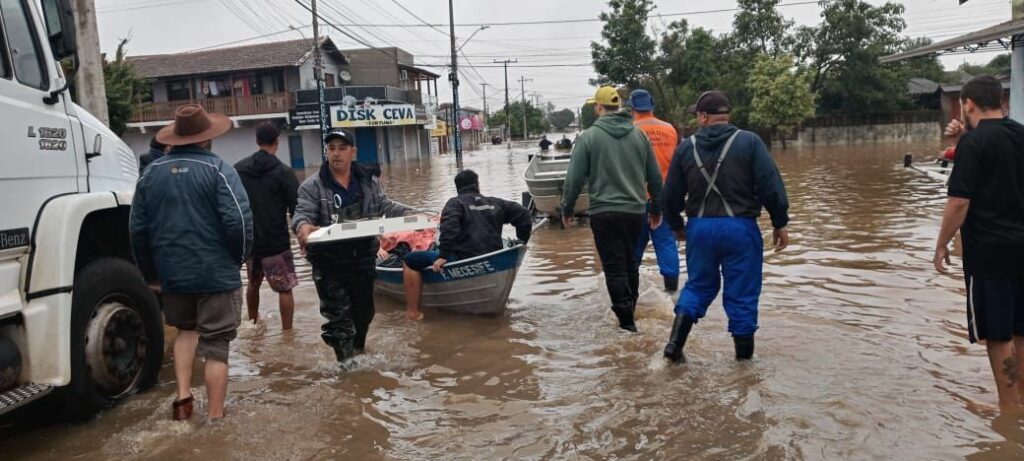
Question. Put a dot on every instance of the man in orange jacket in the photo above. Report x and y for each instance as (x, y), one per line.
(664, 139)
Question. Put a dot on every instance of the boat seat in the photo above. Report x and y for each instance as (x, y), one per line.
(549, 173)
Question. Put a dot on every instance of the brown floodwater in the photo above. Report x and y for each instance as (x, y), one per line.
(862, 353)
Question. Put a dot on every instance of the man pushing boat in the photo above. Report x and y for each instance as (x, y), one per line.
(470, 226)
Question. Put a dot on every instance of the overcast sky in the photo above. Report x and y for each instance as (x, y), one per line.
(165, 26)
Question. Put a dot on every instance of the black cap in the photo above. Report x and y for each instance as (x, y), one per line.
(711, 102)
(339, 134)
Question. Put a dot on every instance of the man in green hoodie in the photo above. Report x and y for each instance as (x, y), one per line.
(617, 163)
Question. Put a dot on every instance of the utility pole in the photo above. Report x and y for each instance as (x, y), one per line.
(522, 87)
(484, 86)
(454, 77)
(1017, 66)
(508, 120)
(318, 75)
(89, 84)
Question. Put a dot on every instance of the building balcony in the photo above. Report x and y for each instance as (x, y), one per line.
(232, 106)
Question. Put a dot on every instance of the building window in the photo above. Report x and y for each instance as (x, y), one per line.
(268, 82)
(178, 90)
(329, 80)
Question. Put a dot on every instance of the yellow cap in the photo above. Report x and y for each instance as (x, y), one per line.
(606, 96)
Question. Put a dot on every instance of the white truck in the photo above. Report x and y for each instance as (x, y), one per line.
(76, 316)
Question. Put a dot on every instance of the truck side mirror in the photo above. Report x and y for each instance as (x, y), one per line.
(60, 27)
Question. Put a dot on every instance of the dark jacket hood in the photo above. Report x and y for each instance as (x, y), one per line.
(155, 154)
(617, 124)
(469, 189)
(258, 165)
(710, 138)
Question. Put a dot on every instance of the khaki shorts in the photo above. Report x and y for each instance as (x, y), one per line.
(215, 316)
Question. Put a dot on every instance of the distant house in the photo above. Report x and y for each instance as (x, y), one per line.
(275, 82)
(950, 95)
(471, 126)
(924, 93)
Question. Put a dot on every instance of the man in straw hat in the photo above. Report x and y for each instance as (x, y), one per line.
(618, 165)
(191, 228)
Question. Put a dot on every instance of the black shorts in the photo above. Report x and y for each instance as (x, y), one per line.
(995, 308)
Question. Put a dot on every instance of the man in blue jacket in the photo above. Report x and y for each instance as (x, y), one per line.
(722, 177)
(191, 229)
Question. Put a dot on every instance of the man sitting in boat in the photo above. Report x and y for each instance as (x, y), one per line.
(544, 143)
(565, 143)
(470, 226)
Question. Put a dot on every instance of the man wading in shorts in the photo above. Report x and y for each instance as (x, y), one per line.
(272, 190)
(986, 203)
(191, 228)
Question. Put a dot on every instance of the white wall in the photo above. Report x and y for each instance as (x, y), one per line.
(306, 72)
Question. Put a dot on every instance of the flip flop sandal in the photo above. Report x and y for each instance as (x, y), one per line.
(182, 409)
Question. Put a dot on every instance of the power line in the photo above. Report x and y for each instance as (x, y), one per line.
(143, 6)
(419, 18)
(569, 21)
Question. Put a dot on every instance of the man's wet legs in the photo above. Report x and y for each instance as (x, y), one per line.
(339, 329)
(1006, 369)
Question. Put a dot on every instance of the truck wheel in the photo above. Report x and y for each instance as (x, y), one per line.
(117, 337)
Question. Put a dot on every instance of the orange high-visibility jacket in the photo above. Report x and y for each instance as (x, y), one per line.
(663, 136)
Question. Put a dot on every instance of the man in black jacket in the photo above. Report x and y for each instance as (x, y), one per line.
(272, 190)
(470, 226)
(157, 149)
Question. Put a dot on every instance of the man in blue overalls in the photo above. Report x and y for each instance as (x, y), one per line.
(722, 177)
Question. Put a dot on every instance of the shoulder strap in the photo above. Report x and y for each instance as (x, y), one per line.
(712, 178)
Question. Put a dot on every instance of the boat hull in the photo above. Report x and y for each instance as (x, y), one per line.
(479, 285)
(545, 179)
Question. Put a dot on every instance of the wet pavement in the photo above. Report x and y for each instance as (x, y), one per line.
(862, 353)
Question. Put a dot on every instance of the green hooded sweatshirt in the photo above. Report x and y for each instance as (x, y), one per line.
(617, 163)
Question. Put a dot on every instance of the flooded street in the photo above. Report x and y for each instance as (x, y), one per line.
(862, 353)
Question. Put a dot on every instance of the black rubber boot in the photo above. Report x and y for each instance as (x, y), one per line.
(680, 331)
(671, 284)
(625, 317)
(744, 347)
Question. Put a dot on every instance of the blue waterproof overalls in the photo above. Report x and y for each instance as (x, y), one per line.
(717, 248)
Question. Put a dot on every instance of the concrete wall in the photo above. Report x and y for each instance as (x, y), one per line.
(865, 134)
(372, 67)
(306, 72)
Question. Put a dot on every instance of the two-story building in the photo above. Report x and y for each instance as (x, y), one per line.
(471, 125)
(275, 82)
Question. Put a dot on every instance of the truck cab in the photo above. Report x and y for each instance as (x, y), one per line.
(77, 319)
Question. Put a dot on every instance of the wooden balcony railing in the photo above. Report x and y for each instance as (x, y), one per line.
(232, 105)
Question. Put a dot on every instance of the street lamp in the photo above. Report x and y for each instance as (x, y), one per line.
(483, 27)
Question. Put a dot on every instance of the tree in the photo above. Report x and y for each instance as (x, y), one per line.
(842, 55)
(781, 96)
(587, 116)
(760, 28)
(124, 89)
(629, 53)
(561, 119)
(534, 119)
(999, 65)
